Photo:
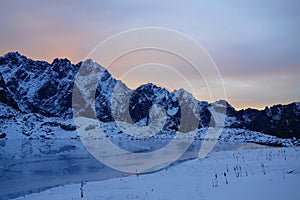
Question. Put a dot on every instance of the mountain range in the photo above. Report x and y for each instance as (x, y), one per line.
(29, 86)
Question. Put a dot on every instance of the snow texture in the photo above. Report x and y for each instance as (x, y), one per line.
(269, 173)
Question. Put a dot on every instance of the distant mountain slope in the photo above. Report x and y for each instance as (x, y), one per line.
(39, 87)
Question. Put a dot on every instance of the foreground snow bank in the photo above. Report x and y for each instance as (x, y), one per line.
(269, 173)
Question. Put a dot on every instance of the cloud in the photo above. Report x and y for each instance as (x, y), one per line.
(251, 42)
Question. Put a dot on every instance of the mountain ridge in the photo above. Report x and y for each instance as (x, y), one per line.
(40, 87)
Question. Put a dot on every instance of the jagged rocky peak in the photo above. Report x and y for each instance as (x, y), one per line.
(225, 107)
(12, 57)
(61, 62)
(184, 94)
(88, 67)
(37, 86)
(224, 103)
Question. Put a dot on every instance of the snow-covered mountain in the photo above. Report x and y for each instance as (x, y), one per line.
(28, 87)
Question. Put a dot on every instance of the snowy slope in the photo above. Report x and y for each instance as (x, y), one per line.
(270, 173)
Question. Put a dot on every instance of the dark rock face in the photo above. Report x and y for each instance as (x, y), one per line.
(145, 96)
(5, 96)
(39, 87)
(2, 135)
(280, 120)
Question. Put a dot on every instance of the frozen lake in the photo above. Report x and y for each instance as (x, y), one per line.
(29, 166)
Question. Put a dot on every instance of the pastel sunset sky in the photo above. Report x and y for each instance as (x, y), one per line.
(255, 44)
